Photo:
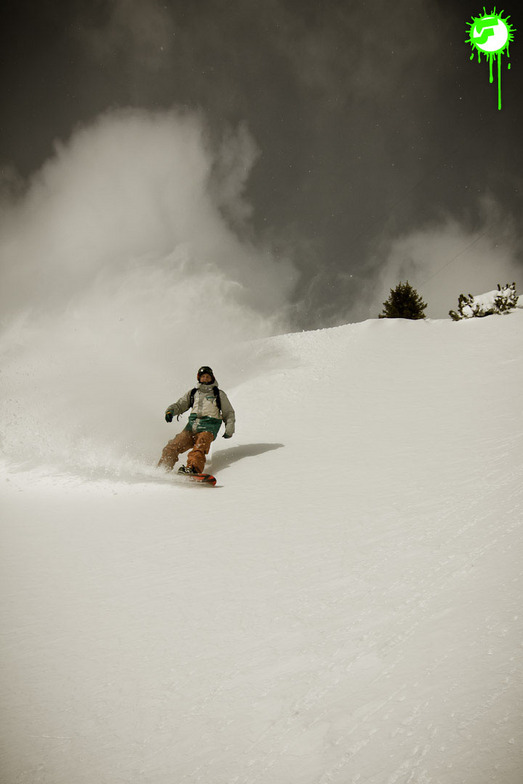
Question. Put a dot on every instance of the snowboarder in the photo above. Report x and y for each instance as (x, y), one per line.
(210, 407)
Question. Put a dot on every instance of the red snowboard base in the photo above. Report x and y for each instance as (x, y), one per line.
(202, 479)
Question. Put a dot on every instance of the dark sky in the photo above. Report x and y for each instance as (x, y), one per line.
(370, 118)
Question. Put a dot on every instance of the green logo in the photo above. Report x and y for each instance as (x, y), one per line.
(491, 35)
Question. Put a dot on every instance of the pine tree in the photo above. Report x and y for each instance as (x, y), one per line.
(404, 302)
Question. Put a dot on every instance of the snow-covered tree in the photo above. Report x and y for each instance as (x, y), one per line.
(501, 300)
(404, 302)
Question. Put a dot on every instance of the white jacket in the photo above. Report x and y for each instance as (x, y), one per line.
(205, 406)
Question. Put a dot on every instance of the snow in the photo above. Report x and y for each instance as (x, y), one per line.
(490, 302)
(344, 607)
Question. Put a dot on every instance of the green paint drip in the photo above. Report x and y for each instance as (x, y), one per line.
(499, 81)
(491, 35)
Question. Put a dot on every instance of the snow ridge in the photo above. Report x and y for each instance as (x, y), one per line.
(345, 607)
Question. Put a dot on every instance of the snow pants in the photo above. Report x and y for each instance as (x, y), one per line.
(200, 443)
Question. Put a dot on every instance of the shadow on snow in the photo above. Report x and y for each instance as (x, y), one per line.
(226, 457)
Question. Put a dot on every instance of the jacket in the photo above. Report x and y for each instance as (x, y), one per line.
(206, 416)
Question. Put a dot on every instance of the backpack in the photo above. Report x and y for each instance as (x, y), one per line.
(216, 395)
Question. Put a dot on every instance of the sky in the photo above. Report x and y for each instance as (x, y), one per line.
(325, 150)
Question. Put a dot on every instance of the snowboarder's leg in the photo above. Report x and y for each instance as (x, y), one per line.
(180, 443)
(196, 457)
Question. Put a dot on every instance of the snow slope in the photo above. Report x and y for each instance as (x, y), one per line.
(344, 607)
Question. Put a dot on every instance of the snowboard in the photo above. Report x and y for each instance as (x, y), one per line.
(201, 479)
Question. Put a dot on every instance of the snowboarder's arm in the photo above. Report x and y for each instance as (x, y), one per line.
(181, 405)
(229, 417)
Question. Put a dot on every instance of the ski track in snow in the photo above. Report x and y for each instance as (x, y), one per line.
(291, 625)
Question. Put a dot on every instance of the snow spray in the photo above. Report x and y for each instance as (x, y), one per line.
(122, 271)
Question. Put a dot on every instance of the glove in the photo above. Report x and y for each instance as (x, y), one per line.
(168, 415)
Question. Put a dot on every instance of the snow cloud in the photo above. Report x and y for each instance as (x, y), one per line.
(126, 265)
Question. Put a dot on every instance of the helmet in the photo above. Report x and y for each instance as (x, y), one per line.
(206, 369)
